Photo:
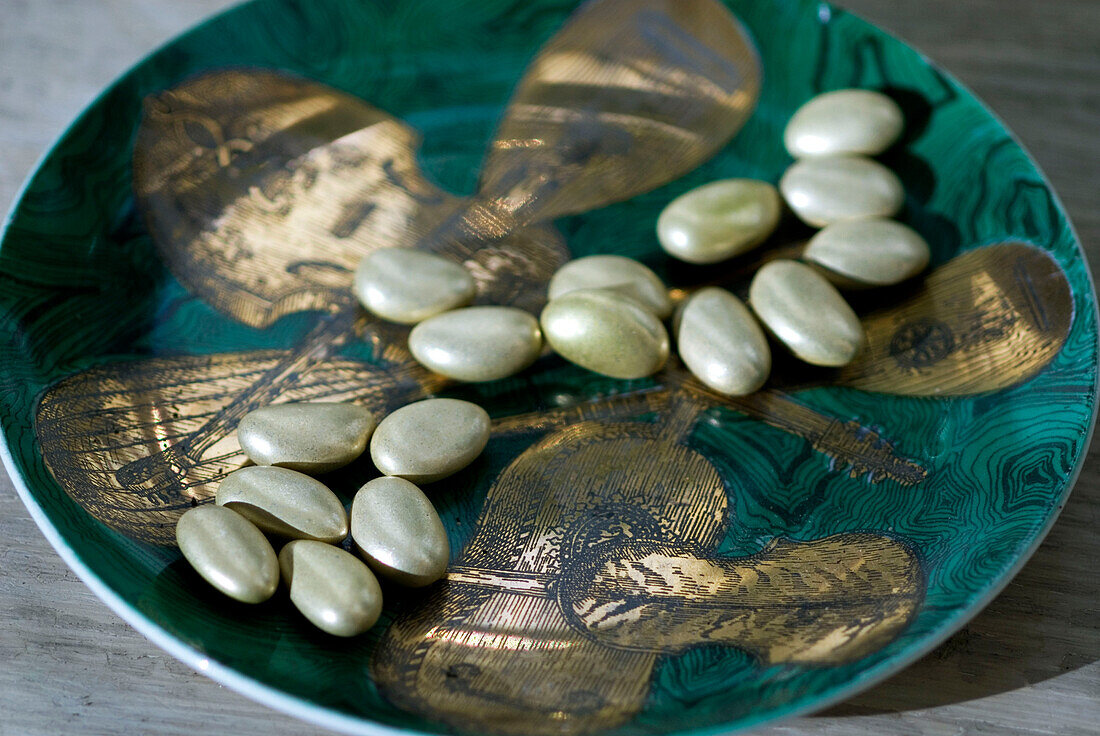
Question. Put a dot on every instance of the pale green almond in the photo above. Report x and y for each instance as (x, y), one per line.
(806, 313)
(284, 502)
(617, 273)
(605, 332)
(872, 252)
(429, 440)
(722, 344)
(858, 121)
(822, 191)
(477, 343)
(333, 589)
(229, 552)
(719, 220)
(407, 286)
(312, 437)
(398, 532)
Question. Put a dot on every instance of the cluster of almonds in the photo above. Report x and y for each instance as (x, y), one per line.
(833, 185)
(393, 525)
(605, 313)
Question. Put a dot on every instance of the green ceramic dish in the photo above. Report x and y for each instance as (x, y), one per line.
(810, 543)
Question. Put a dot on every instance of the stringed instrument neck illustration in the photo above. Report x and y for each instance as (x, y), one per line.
(163, 473)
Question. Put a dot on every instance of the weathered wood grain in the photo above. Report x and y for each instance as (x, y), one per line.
(1029, 664)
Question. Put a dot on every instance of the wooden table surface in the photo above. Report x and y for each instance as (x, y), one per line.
(1028, 664)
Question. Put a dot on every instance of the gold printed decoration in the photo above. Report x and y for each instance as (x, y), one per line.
(821, 602)
(263, 191)
(99, 427)
(590, 558)
(989, 319)
(470, 654)
(624, 84)
(849, 445)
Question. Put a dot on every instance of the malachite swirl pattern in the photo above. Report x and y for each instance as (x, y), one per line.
(81, 286)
